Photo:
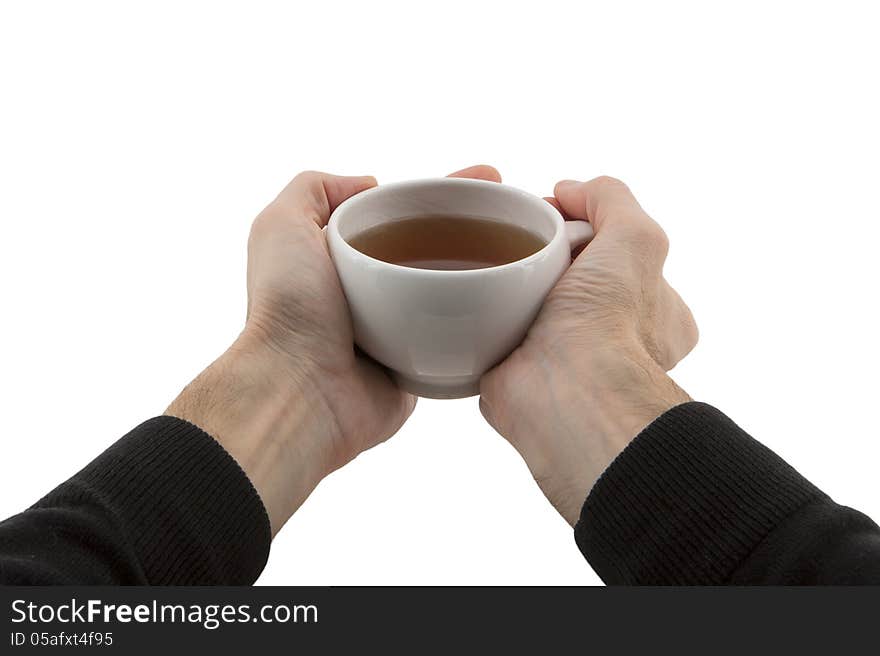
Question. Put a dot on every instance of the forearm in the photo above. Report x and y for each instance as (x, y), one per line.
(268, 417)
(165, 505)
(591, 409)
(695, 500)
(192, 497)
(662, 490)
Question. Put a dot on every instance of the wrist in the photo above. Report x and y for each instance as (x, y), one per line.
(630, 391)
(255, 402)
(592, 410)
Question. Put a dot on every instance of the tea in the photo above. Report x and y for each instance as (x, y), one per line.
(447, 243)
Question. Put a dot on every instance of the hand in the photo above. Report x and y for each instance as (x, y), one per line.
(590, 374)
(291, 400)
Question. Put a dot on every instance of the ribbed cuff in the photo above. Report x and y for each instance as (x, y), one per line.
(686, 502)
(191, 514)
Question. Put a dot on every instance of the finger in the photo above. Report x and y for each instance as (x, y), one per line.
(609, 205)
(313, 195)
(599, 201)
(478, 172)
(555, 203)
(577, 250)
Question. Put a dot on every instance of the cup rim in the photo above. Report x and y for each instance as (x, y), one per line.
(558, 220)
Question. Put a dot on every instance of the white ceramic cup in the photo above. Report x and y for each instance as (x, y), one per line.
(438, 332)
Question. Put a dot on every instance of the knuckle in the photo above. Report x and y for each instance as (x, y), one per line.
(311, 192)
(648, 239)
(690, 329)
(608, 198)
(308, 176)
(268, 219)
(262, 223)
(608, 181)
(659, 239)
(683, 339)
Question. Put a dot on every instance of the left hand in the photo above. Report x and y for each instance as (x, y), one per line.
(591, 373)
(292, 400)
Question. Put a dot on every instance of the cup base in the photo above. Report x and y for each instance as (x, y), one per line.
(438, 390)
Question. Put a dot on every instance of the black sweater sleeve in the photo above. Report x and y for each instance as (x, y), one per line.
(695, 500)
(692, 500)
(165, 505)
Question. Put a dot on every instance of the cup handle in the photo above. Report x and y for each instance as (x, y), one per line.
(578, 233)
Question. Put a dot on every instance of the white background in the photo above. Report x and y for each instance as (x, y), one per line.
(136, 145)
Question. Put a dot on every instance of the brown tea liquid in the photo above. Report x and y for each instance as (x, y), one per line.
(447, 243)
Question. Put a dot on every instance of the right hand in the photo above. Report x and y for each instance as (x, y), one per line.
(590, 374)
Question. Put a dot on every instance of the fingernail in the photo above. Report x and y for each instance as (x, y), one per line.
(567, 183)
